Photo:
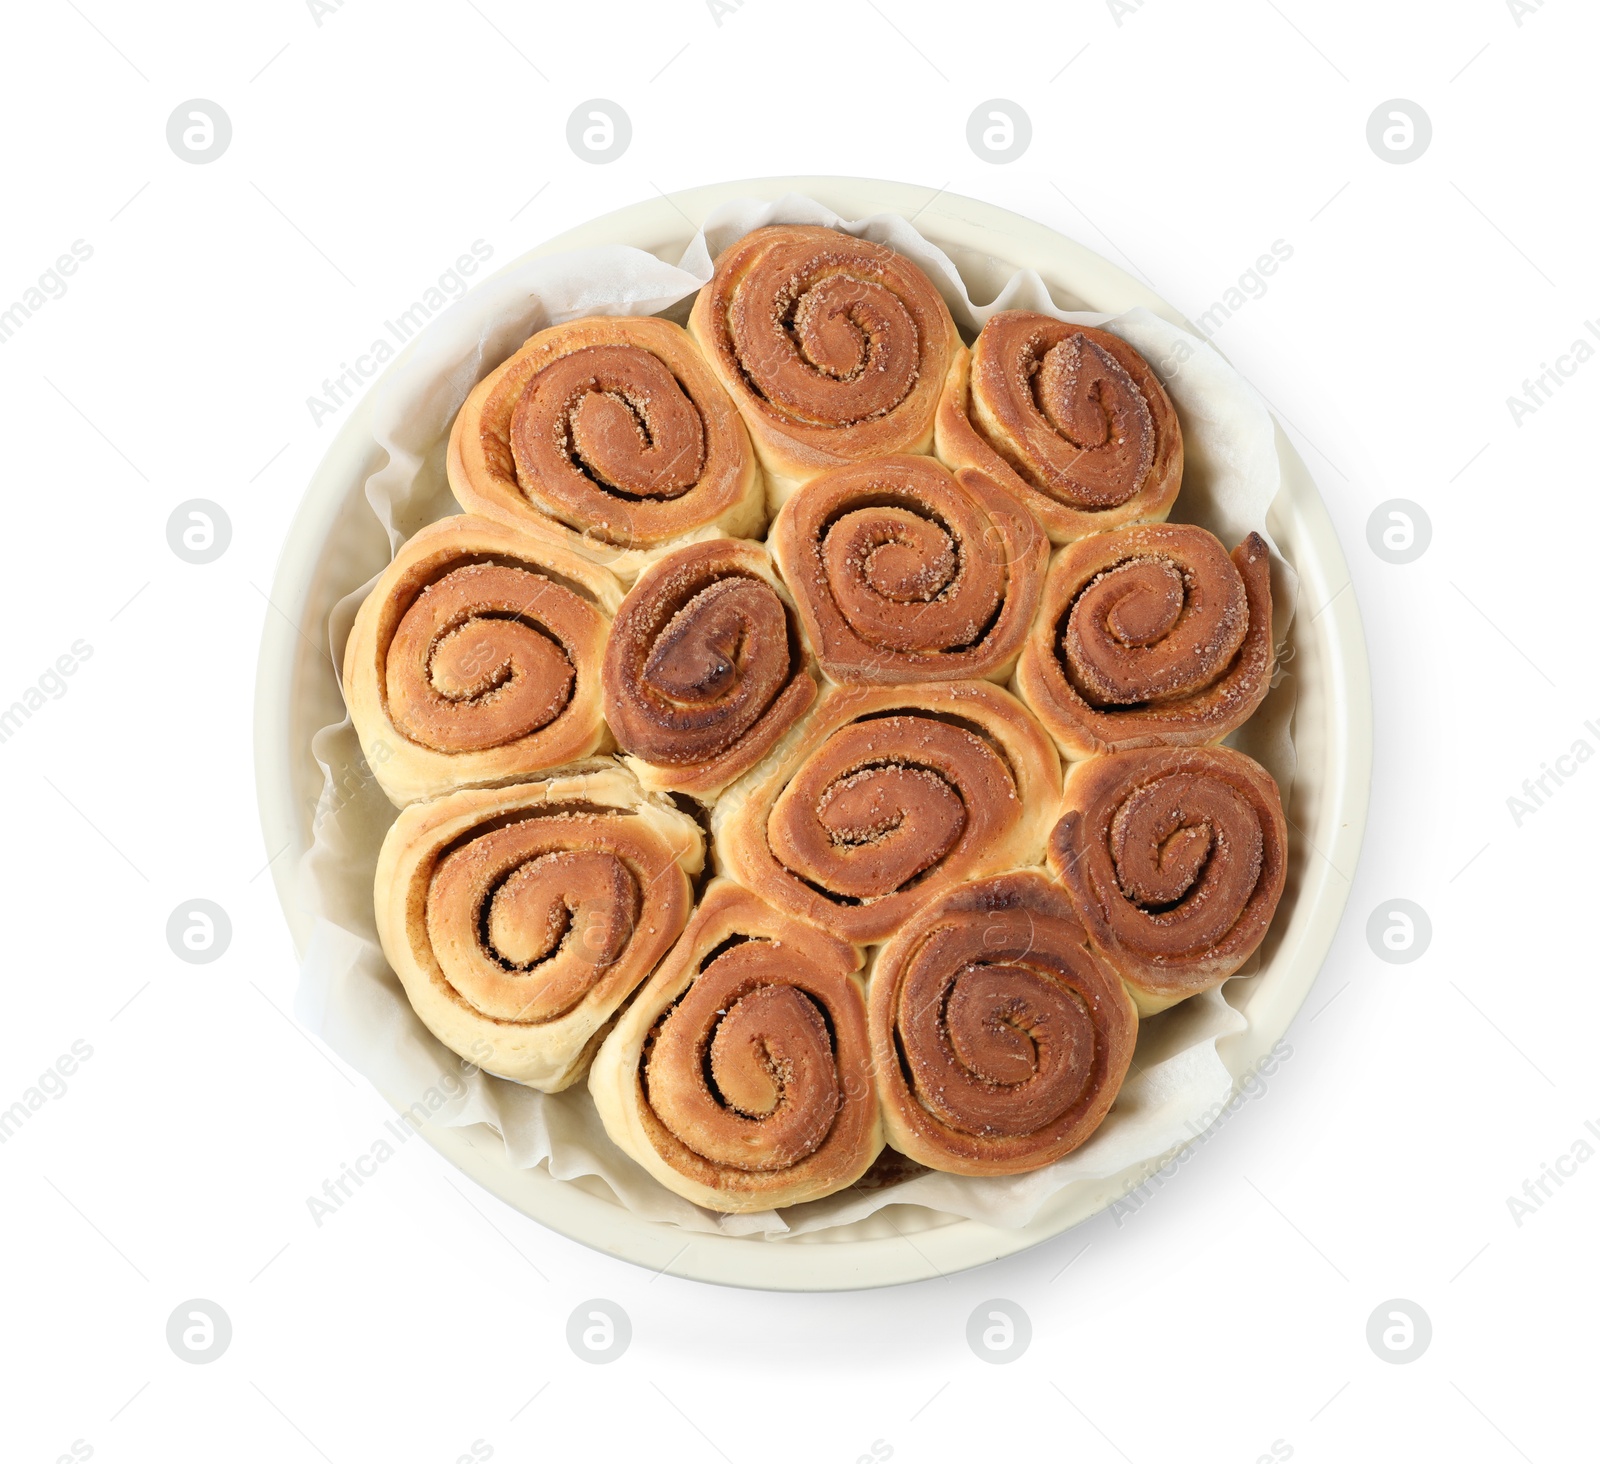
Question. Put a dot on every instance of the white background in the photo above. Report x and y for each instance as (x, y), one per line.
(1230, 1313)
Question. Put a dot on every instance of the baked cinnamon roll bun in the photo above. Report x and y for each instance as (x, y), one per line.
(705, 668)
(1000, 1040)
(1069, 419)
(741, 1076)
(476, 659)
(834, 348)
(612, 436)
(519, 919)
(904, 573)
(1150, 636)
(1175, 860)
(885, 796)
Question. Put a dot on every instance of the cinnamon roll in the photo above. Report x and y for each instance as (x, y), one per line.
(835, 348)
(905, 573)
(1150, 636)
(999, 1039)
(519, 919)
(476, 659)
(1069, 419)
(884, 797)
(705, 668)
(1175, 860)
(741, 1076)
(612, 435)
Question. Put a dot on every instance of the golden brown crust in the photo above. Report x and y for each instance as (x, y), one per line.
(518, 919)
(1068, 419)
(999, 1039)
(834, 348)
(612, 436)
(476, 659)
(1150, 636)
(741, 1076)
(1175, 860)
(904, 573)
(705, 668)
(884, 797)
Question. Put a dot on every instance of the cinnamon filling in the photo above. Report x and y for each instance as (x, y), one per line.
(1153, 627)
(822, 336)
(700, 657)
(1000, 1019)
(607, 421)
(478, 659)
(1074, 422)
(742, 1070)
(526, 917)
(1185, 855)
(882, 802)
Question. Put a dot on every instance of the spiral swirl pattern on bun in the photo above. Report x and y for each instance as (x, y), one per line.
(741, 1076)
(1175, 860)
(904, 573)
(883, 797)
(519, 919)
(705, 668)
(834, 348)
(999, 1039)
(612, 436)
(1069, 419)
(1150, 636)
(476, 659)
